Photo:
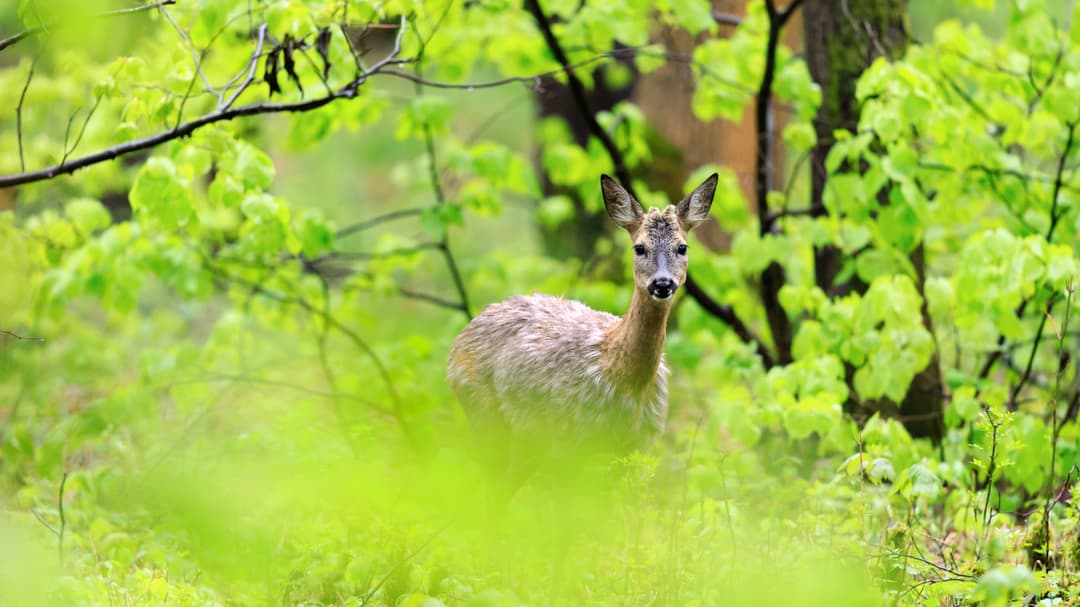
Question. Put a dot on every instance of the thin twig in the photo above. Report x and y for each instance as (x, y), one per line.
(183, 130)
(991, 469)
(375, 221)
(436, 187)
(426, 246)
(371, 593)
(393, 55)
(996, 172)
(42, 520)
(444, 244)
(10, 40)
(776, 215)
(196, 56)
(211, 377)
(535, 81)
(439, 301)
(1031, 357)
(925, 561)
(82, 131)
(328, 371)
(1059, 180)
(63, 520)
(18, 112)
(20, 337)
(251, 71)
(1070, 291)
(359, 342)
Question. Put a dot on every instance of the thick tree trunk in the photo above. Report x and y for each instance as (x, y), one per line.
(843, 38)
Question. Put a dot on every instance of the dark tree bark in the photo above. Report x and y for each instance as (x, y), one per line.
(843, 37)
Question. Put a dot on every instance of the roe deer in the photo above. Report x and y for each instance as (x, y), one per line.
(533, 368)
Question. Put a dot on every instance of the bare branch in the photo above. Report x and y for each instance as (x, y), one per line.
(196, 56)
(444, 244)
(774, 216)
(1059, 180)
(10, 40)
(251, 72)
(393, 56)
(179, 132)
(328, 371)
(371, 593)
(82, 131)
(445, 303)
(999, 172)
(20, 337)
(1012, 403)
(534, 81)
(348, 91)
(440, 200)
(375, 221)
(359, 342)
(250, 379)
(427, 246)
(18, 112)
(63, 521)
(42, 520)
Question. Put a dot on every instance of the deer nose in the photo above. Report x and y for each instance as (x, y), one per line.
(662, 288)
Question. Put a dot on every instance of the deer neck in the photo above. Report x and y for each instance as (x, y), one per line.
(635, 344)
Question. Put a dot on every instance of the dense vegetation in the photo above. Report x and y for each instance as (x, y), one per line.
(238, 238)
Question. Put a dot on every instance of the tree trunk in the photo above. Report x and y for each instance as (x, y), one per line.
(843, 38)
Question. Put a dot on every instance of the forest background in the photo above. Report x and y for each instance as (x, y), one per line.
(237, 238)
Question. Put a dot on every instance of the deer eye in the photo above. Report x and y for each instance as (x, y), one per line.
(639, 250)
(681, 249)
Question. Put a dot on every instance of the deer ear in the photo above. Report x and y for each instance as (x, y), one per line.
(694, 209)
(621, 206)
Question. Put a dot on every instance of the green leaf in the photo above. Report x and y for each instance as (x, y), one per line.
(161, 194)
(555, 210)
(800, 136)
(314, 233)
(249, 165)
(88, 215)
(429, 113)
(259, 206)
(694, 15)
(307, 129)
(436, 220)
(226, 190)
(873, 263)
(918, 481)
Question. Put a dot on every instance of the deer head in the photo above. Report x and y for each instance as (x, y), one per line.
(659, 237)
